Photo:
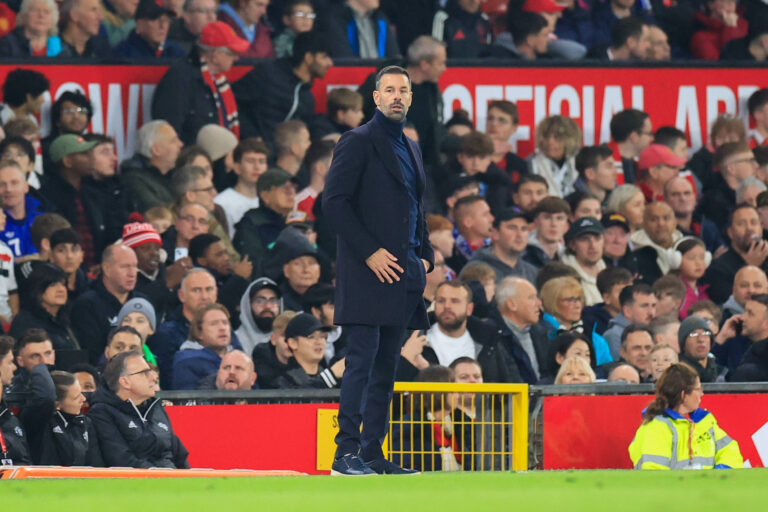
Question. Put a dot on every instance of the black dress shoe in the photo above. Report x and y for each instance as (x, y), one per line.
(385, 467)
(350, 465)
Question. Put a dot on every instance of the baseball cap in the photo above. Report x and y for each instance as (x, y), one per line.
(274, 177)
(304, 324)
(220, 35)
(583, 226)
(69, 144)
(540, 6)
(262, 283)
(658, 154)
(152, 9)
(611, 219)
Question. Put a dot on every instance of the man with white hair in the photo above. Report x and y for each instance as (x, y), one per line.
(81, 24)
(748, 190)
(146, 176)
(206, 96)
(521, 335)
(195, 15)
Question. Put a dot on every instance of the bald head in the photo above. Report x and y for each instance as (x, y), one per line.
(624, 373)
(659, 223)
(235, 371)
(749, 281)
(119, 268)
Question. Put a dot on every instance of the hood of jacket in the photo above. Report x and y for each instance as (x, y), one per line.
(640, 239)
(249, 333)
(619, 320)
(733, 306)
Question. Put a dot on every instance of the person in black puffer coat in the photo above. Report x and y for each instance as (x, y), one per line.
(58, 432)
(131, 424)
(13, 447)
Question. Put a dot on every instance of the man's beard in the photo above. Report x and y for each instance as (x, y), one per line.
(454, 325)
(264, 323)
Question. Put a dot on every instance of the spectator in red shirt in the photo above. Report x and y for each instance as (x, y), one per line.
(247, 18)
(719, 25)
(318, 161)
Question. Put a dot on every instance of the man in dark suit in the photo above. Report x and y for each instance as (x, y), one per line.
(373, 200)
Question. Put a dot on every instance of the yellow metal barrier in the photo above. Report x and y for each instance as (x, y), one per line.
(452, 427)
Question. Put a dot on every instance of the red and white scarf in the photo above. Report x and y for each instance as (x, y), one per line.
(224, 97)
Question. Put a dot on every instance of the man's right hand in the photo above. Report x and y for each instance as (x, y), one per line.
(384, 265)
(729, 329)
(757, 253)
(413, 348)
(174, 273)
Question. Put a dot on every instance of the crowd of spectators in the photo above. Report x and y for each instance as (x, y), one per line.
(203, 260)
(611, 30)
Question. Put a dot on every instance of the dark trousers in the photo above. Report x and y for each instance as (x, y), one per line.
(366, 389)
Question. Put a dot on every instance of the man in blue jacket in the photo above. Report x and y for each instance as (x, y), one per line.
(20, 210)
(373, 200)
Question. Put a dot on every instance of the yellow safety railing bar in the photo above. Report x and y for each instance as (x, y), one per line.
(515, 416)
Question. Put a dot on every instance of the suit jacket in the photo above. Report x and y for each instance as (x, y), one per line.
(366, 203)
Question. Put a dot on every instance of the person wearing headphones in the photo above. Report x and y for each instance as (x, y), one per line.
(690, 258)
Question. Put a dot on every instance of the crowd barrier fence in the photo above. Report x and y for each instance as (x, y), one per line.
(577, 426)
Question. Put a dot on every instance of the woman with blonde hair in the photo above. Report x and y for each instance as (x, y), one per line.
(36, 31)
(629, 201)
(558, 139)
(575, 370)
(673, 421)
(562, 299)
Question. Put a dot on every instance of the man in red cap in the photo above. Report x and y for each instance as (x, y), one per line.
(658, 164)
(206, 96)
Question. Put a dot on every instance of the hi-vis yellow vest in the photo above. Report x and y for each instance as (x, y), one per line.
(671, 441)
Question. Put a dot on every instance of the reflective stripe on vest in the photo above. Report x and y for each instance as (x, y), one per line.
(656, 459)
(683, 464)
(668, 422)
(722, 442)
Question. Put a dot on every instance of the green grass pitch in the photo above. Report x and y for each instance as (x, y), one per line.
(569, 491)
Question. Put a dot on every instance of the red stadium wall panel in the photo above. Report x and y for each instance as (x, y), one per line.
(593, 432)
(260, 437)
(689, 98)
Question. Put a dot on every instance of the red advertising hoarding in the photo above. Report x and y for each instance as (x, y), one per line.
(689, 98)
(268, 437)
(594, 432)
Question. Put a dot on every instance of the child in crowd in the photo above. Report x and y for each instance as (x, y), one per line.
(692, 260)
(22, 151)
(345, 108)
(669, 292)
(661, 358)
(298, 17)
(249, 163)
(160, 217)
(139, 314)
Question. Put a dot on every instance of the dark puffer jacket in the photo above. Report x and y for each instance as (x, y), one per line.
(288, 98)
(136, 437)
(14, 436)
(55, 437)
